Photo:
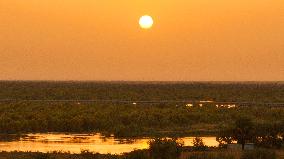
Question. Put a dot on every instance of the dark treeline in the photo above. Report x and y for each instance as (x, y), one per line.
(269, 92)
(126, 120)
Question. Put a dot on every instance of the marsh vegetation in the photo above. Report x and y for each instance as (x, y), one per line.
(126, 120)
(96, 107)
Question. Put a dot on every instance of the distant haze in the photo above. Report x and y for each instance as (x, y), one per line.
(191, 40)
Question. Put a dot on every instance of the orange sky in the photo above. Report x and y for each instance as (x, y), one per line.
(101, 40)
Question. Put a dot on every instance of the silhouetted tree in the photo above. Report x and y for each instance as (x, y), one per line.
(165, 148)
(198, 144)
(243, 130)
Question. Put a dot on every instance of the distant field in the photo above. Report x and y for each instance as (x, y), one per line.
(261, 92)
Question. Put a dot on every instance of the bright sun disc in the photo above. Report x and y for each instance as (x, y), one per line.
(146, 22)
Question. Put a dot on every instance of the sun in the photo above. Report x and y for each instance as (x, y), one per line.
(146, 22)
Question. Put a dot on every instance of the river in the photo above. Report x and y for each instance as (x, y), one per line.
(75, 143)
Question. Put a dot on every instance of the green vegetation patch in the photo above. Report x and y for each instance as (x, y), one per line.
(125, 120)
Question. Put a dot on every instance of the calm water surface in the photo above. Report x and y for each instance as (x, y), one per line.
(75, 143)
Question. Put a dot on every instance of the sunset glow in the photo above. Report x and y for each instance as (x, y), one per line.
(103, 40)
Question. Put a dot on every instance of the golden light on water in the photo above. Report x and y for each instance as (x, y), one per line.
(146, 22)
(74, 143)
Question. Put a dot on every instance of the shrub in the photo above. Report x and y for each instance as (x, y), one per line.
(42, 156)
(165, 148)
(198, 144)
(211, 155)
(86, 154)
(138, 154)
(259, 154)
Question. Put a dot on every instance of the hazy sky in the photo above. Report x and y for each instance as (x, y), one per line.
(101, 40)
